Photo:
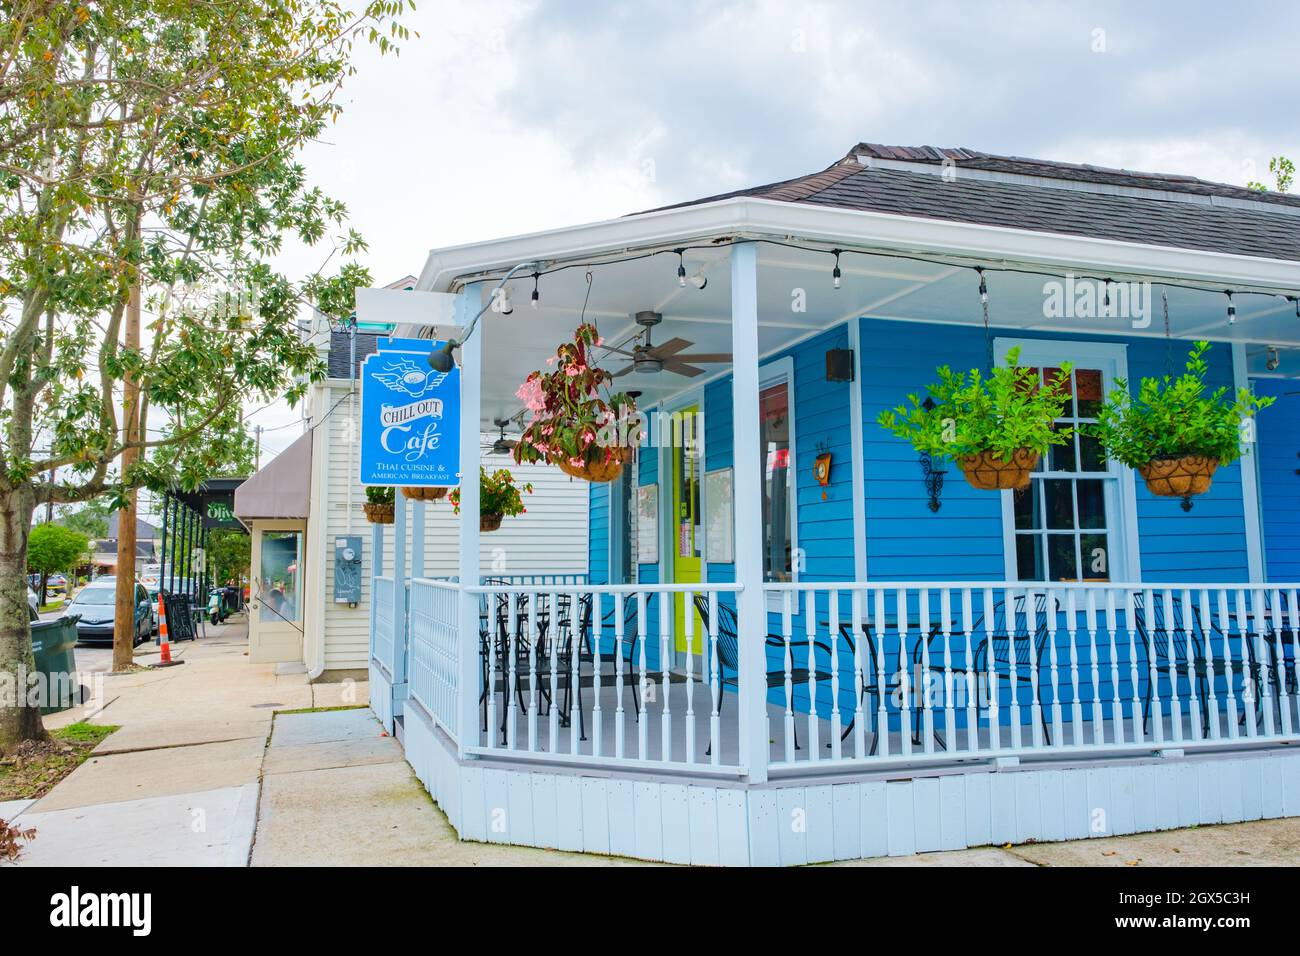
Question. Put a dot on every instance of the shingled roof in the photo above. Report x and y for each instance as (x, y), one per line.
(1045, 196)
(340, 351)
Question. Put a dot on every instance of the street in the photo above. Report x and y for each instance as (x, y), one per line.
(93, 658)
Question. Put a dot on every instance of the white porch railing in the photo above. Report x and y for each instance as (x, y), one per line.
(435, 650)
(855, 674)
(922, 672)
(382, 630)
(603, 674)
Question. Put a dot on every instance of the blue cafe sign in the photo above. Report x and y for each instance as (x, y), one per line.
(410, 417)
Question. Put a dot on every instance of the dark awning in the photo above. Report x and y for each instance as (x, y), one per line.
(280, 490)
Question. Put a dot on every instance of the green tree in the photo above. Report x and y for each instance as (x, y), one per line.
(148, 147)
(91, 519)
(229, 554)
(1283, 171)
(52, 548)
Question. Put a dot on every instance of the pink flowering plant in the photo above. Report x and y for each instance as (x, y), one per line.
(575, 421)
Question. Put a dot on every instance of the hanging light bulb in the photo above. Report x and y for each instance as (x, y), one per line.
(1295, 299)
(836, 275)
(1106, 299)
(984, 288)
(533, 301)
(681, 267)
(1232, 309)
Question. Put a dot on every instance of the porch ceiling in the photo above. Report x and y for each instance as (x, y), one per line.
(878, 286)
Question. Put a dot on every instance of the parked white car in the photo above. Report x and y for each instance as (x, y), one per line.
(32, 600)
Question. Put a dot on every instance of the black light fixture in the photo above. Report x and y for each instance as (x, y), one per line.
(836, 275)
(681, 267)
(440, 359)
(534, 299)
(933, 476)
(1232, 308)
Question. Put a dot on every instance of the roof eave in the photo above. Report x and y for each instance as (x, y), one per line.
(751, 217)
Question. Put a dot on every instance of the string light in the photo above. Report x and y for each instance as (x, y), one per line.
(984, 288)
(1232, 308)
(1106, 300)
(836, 275)
(1295, 299)
(533, 301)
(681, 267)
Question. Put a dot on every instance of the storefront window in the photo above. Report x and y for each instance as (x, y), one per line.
(281, 583)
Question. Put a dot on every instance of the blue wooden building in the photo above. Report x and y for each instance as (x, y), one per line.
(797, 640)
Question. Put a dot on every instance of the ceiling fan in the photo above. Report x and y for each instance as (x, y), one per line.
(648, 358)
(503, 445)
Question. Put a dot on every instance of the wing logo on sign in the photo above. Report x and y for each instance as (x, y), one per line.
(406, 377)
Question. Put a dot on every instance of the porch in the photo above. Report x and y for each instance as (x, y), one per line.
(1071, 723)
(789, 621)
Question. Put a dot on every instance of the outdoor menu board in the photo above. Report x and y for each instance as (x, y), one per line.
(719, 516)
(647, 524)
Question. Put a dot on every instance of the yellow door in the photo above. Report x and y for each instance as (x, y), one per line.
(688, 534)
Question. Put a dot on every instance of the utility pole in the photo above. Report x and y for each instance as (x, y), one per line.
(257, 457)
(124, 595)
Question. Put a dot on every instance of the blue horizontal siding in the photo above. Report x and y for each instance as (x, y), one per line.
(963, 541)
(598, 532)
(1278, 449)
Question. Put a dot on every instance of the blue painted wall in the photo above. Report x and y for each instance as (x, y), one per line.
(598, 532)
(963, 541)
(1279, 457)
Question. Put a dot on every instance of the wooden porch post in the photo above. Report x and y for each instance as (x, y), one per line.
(471, 364)
(751, 604)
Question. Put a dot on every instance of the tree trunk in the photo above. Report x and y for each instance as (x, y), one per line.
(18, 721)
(124, 598)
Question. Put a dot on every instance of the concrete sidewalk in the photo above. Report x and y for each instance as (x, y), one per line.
(178, 784)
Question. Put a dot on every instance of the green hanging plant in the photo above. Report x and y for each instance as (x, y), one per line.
(995, 428)
(379, 504)
(1172, 432)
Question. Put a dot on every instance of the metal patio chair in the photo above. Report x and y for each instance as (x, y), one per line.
(729, 656)
(1164, 629)
(993, 654)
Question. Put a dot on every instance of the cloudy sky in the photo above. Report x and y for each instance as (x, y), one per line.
(509, 117)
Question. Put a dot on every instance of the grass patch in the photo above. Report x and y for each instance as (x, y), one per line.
(32, 769)
(324, 710)
(52, 606)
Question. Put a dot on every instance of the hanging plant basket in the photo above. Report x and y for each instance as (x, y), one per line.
(378, 514)
(571, 421)
(1179, 477)
(489, 522)
(599, 470)
(987, 471)
(424, 494)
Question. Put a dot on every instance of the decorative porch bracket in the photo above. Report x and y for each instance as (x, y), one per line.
(751, 607)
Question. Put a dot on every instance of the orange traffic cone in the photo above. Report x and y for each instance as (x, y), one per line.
(165, 644)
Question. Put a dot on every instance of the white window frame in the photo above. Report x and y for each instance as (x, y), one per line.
(772, 373)
(1121, 507)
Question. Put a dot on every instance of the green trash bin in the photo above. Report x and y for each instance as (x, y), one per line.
(54, 646)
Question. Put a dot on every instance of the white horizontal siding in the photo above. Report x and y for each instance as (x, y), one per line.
(551, 538)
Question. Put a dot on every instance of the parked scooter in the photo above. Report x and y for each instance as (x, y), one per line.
(216, 606)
